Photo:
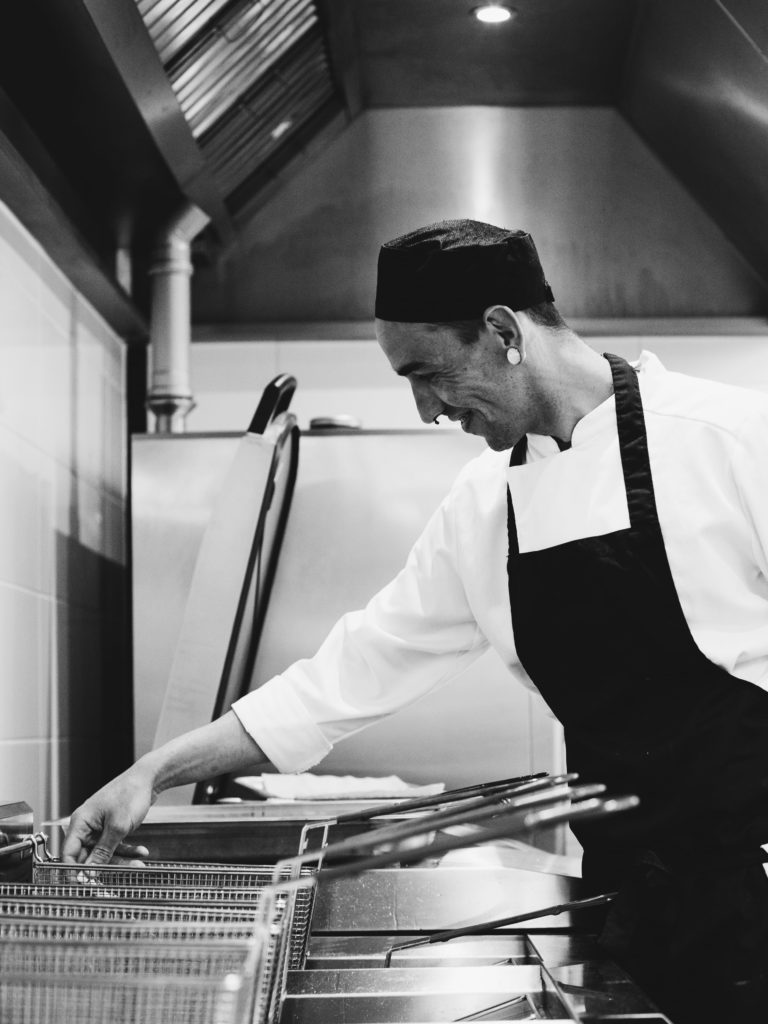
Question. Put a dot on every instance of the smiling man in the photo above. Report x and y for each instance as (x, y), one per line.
(464, 312)
(612, 547)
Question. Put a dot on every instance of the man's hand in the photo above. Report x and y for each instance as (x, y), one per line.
(97, 827)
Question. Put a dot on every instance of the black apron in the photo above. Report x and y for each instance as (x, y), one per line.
(600, 630)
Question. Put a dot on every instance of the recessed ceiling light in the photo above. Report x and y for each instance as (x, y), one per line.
(281, 129)
(493, 14)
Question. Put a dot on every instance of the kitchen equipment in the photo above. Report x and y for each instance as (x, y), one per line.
(504, 922)
(107, 894)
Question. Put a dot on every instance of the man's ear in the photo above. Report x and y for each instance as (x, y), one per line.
(507, 325)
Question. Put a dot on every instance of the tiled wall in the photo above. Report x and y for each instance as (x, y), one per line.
(63, 654)
(354, 378)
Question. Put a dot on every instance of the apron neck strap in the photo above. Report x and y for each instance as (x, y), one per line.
(633, 443)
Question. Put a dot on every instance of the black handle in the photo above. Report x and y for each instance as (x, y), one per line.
(275, 399)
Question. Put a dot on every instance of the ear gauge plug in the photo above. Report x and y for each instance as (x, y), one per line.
(514, 357)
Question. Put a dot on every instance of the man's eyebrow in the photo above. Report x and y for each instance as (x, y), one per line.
(411, 367)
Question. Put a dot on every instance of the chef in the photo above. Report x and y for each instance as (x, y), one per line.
(612, 546)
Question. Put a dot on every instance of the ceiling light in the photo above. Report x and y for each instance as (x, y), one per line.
(493, 14)
(281, 129)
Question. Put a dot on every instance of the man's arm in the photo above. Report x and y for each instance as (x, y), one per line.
(97, 827)
(415, 634)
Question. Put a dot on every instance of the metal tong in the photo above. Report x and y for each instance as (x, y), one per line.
(503, 922)
(451, 802)
(477, 811)
(501, 817)
(480, 789)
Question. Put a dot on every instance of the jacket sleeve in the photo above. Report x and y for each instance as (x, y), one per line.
(414, 635)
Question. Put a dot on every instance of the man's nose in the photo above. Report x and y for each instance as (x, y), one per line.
(428, 404)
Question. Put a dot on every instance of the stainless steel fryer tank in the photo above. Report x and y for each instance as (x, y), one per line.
(549, 971)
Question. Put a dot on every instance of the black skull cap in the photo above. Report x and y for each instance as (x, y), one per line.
(454, 270)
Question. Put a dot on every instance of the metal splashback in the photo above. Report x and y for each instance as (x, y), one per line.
(360, 501)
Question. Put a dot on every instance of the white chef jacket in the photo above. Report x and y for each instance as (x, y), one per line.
(708, 447)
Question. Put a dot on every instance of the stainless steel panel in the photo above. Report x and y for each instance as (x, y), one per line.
(428, 994)
(433, 898)
(360, 502)
(174, 484)
(599, 990)
(696, 89)
(347, 486)
(355, 952)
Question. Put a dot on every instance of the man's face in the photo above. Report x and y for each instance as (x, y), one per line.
(473, 384)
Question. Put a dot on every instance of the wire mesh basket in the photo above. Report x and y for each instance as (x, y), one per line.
(38, 998)
(83, 956)
(177, 882)
(71, 909)
(56, 927)
(24, 901)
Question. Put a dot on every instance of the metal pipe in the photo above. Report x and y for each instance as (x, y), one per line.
(170, 394)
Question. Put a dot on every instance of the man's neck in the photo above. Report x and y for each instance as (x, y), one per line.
(577, 381)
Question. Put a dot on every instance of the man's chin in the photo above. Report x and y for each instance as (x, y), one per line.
(475, 425)
(499, 444)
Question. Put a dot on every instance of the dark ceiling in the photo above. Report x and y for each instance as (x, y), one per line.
(126, 109)
(435, 53)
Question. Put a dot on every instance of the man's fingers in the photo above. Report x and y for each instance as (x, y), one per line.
(79, 835)
(100, 854)
(129, 850)
(105, 845)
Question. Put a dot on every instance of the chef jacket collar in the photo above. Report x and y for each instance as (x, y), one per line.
(541, 446)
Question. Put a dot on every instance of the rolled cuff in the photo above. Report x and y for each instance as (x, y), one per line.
(275, 718)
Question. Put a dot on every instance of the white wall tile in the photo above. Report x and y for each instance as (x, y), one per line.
(62, 498)
(234, 366)
(354, 378)
(114, 529)
(53, 392)
(228, 379)
(25, 774)
(24, 508)
(20, 366)
(341, 364)
(375, 408)
(84, 522)
(58, 299)
(221, 410)
(79, 684)
(742, 361)
(25, 628)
